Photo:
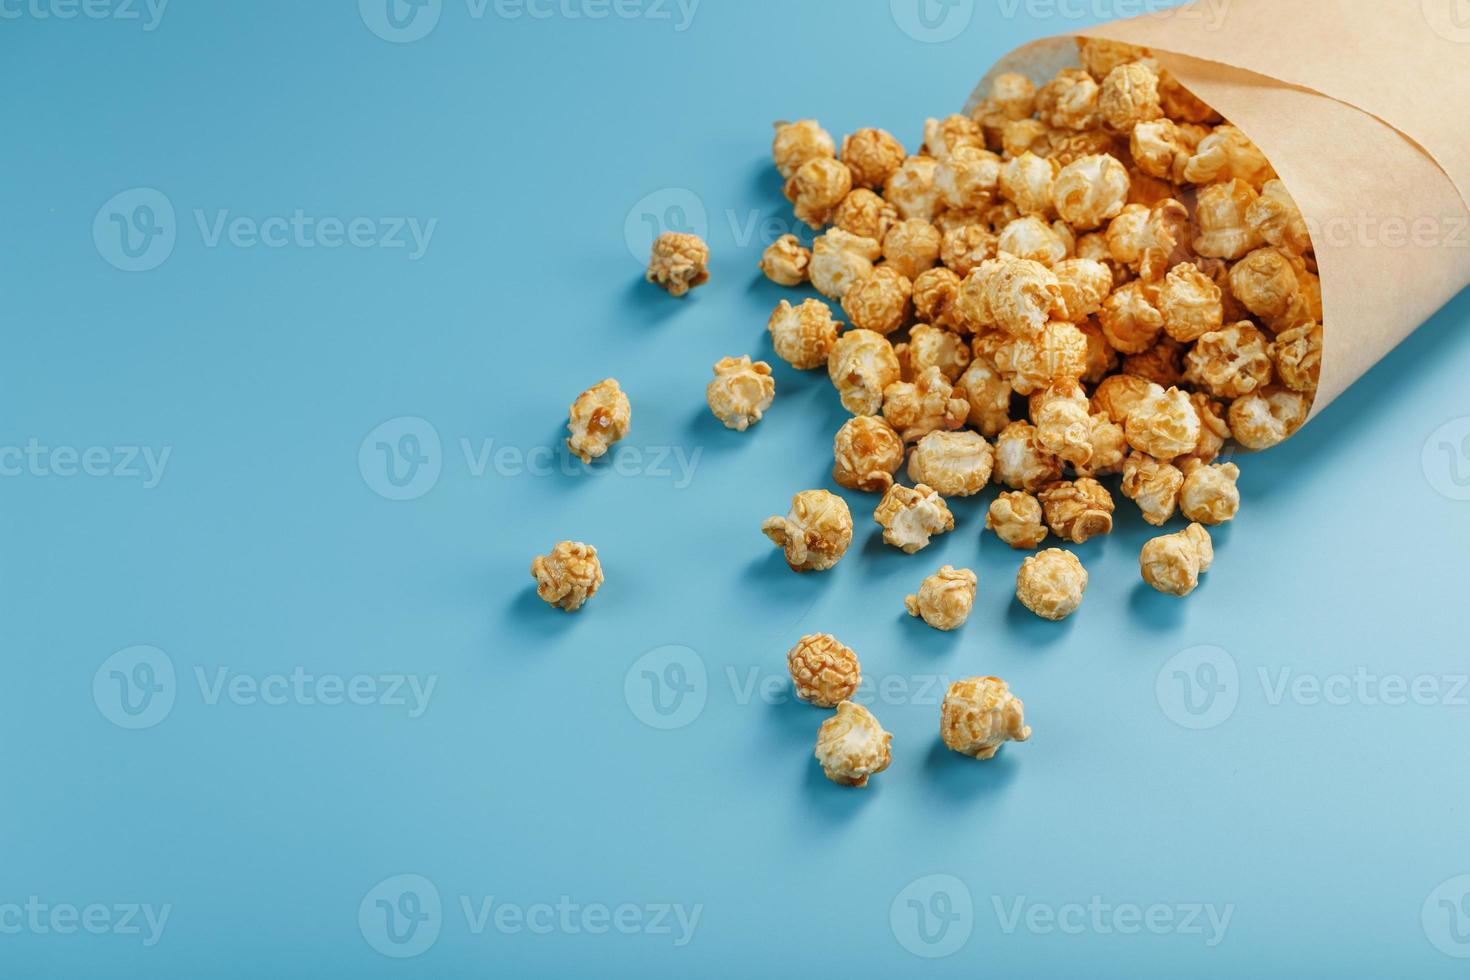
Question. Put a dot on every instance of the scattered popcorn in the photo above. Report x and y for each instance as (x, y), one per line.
(1020, 296)
(879, 301)
(1163, 363)
(1079, 510)
(957, 464)
(1063, 421)
(1266, 418)
(932, 347)
(1070, 101)
(1190, 303)
(815, 533)
(1214, 430)
(1164, 425)
(964, 248)
(1130, 320)
(804, 335)
(1059, 353)
(1013, 94)
(1099, 57)
(934, 297)
(926, 404)
(824, 672)
(945, 598)
(1029, 182)
(852, 747)
(1021, 136)
(678, 262)
(840, 259)
(598, 418)
(1020, 462)
(1015, 517)
(911, 516)
(1172, 563)
(913, 188)
(1161, 149)
(1210, 495)
(968, 178)
(1120, 395)
(867, 452)
(741, 392)
(1091, 191)
(786, 262)
(989, 396)
(866, 215)
(817, 189)
(1085, 284)
(1032, 239)
(1298, 356)
(1232, 361)
(1220, 212)
(1129, 96)
(569, 576)
(873, 155)
(799, 143)
(912, 247)
(979, 715)
(862, 366)
(1051, 584)
(1226, 154)
(944, 137)
(1276, 219)
(1109, 447)
(1153, 485)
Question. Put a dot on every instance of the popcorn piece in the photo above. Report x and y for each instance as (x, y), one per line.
(1153, 485)
(910, 516)
(1015, 517)
(1220, 211)
(927, 404)
(866, 215)
(804, 335)
(598, 418)
(741, 392)
(989, 396)
(799, 143)
(840, 259)
(1161, 148)
(1172, 563)
(862, 366)
(1129, 96)
(1063, 421)
(1182, 105)
(569, 576)
(979, 715)
(1017, 295)
(1099, 57)
(1163, 363)
(957, 464)
(1085, 284)
(1070, 101)
(931, 347)
(785, 262)
(1102, 360)
(1146, 239)
(879, 301)
(1051, 584)
(1226, 154)
(1232, 361)
(944, 137)
(1267, 417)
(1298, 356)
(945, 598)
(866, 452)
(873, 155)
(1025, 136)
(1079, 510)
(1276, 219)
(1190, 303)
(1059, 354)
(1031, 239)
(1214, 430)
(1109, 447)
(968, 178)
(1164, 424)
(912, 189)
(963, 249)
(817, 189)
(1020, 462)
(815, 533)
(935, 292)
(1029, 182)
(1014, 95)
(1069, 147)
(1120, 395)
(1130, 320)
(1266, 283)
(678, 263)
(1210, 495)
(912, 247)
(824, 672)
(852, 747)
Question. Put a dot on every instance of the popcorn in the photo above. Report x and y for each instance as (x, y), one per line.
(785, 261)
(1031, 239)
(944, 137)
(1109, 447)
(866, 452)
(968, 178)
(1120, 395)
(873, 155)
(1266, 283)
(840, 259)
(912, 247)
(1172, 564)
(1153, 485)
(1145, 239)
(989, 396)
(1017, 295)
(1210, 495)
(804, 335)
(1129, 96)
(824, 672)
(1099, 57)
(1275, 218)
(741, 392)
(1015, 517)
(1267, 417)
(1025, 136)
(879, 301)
(1051, 584)
(1298, 356)
(1161, 148)
(1214, 430)
(1101, 360)
(957, 464)
(1220, 211)
(815, 533)
(925, 405)
(1085, 284)
(817, 189)
(852, 747)
(911, 516)
(1163, 363)
(1028, 181)
(1064, 422)
(678, 263)
(1020, 462)
(1070, 101)
(1190, 303)
(931, 347)
(934, 297)
(568, 576)
(963, 249)
(1227, 154)
(1079, 510)
(798, 143)
(979, 715)
(945, 598)
(866, 215)
(862, 365)
(1130, 320)
(1232, 361)
(913, 190)
(1182, 105)
(1013, 95)
(1059, 353)
(598, 418)
(1164, 424)
(1069, 147)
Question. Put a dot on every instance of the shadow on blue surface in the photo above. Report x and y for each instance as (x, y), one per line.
(1032, 630)
(961, 777)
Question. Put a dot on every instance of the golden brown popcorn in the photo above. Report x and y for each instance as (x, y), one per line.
(866, 215)
(1164, 424)
(1232, 361)
(1210, 495)
(926, 404)
(803, 335)
(568, 576)
(1275, 217)
(979, 715)
(1298, 356)
(872, 155)
(945, 598)
(862, 365)
(910, 516)
(1063, 421)
(942, 137)
(1025, 136)
(866, 453)
(786, 261)
(824, 672)
(1146, 239)
(1031, 239)
(957, 464)
(798, 143)
(1190, 303)
(1220, 212)
(1070, 147)
(1219, 272)
(1227, 154)
(1172, 563)
(879, 301)
(852, 747)
(1060, 353)
(1109, 447)
(913, 190)
(1000, 214)
(951, 218)
(1163, 363)
(678, 263)
(598, 418)
(963, 249)
(1102, 360)
(967, 179)
(817, 189)
(1148, 191)
(1014, 95)
(1153, 485)
(1019, 295)
(1267, 417)
(1020, 462)
(840, 259)
(1029, 182)
(1161, 149)
(1214, 430)
(1070, 101)
(1266, 283)
(1085, 284)
(1015, 517)
(1099, 57)
(815, 533)
(1130, 319)
(912, 247)
(1094, 246)
(1182, 105)
(1119, 395)
(741, 392)
(1129, 96)
(1079, 510)
(935, 292)
(989, 396)
(1051, 584)
(932, 347)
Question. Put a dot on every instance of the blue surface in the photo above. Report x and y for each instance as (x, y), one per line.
(540, 770)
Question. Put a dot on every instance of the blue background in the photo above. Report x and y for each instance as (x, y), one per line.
(532, 774)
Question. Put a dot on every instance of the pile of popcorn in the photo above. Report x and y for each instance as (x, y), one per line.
(1091, 279)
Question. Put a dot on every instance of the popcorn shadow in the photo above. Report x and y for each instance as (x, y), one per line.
(795, 720)
(831, 801)
(885, 561)
(711, 435)
(527, 611)
(652, 304)
(771, 581)
(925, 639)
(1032, 630)
(1156, 611)
(570, 473)
(767, 182)
(963, 778)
